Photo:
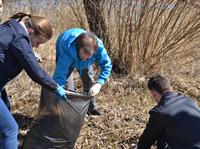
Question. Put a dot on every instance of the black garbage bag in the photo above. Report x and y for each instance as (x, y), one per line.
(58, 122)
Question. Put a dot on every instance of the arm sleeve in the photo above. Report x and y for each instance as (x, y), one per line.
(62, 69)
(152, 132)
(104, 63)
(22, 50)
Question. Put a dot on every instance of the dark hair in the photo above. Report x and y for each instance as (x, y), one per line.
(84, 41)
(159, 83)
(40, 25)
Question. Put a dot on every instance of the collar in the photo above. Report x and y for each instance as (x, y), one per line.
(168, 95)
(23, 25)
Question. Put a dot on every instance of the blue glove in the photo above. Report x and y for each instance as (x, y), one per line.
(60, 91)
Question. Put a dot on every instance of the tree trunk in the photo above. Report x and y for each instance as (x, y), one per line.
(96, 21)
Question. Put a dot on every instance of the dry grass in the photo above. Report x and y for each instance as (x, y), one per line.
(124, 103)
(122, 121)
(150, 35)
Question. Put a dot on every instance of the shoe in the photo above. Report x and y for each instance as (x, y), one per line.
(94, 112)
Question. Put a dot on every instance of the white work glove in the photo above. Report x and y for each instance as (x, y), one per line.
(95, 89)
(135, 147)
(38, 57)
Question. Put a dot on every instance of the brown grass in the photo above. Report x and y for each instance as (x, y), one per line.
(171, 39)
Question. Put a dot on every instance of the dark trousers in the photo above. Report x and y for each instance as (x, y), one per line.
(87, 80)
(162, 144)
(5, 98)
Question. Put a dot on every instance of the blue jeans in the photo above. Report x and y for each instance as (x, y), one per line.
(8, 128)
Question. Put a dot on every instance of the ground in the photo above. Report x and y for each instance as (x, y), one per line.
(124, 104)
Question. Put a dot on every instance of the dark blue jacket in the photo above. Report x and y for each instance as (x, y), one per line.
(16, 54)
(176, 119)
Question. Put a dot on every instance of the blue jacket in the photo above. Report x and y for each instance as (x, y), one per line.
(16, 54)
(175, 121)
(67, 57)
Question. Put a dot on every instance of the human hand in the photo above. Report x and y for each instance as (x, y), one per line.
(60, 91)
(135, 147)
(38, 57)
(95, 89)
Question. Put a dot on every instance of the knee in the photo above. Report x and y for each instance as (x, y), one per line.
(11, 131)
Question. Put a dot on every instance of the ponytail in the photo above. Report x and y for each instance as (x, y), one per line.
(19, 16)
(39, 24)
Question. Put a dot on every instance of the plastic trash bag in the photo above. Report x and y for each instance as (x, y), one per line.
(58, 122)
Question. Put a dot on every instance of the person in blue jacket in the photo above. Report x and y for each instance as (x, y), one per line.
(174, 123)
(79, 49)
(17, 38)
(4, 95)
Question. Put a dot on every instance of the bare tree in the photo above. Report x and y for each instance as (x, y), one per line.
(96, 20)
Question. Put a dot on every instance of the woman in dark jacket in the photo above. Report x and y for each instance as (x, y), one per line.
(17, 38)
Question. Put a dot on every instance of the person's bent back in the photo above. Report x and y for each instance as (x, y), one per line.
(174, 122)
(18, 37)
(181, 117)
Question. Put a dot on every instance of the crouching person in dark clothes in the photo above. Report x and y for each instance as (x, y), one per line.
(174, 122)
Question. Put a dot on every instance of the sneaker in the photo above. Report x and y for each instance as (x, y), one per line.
(94, 112)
